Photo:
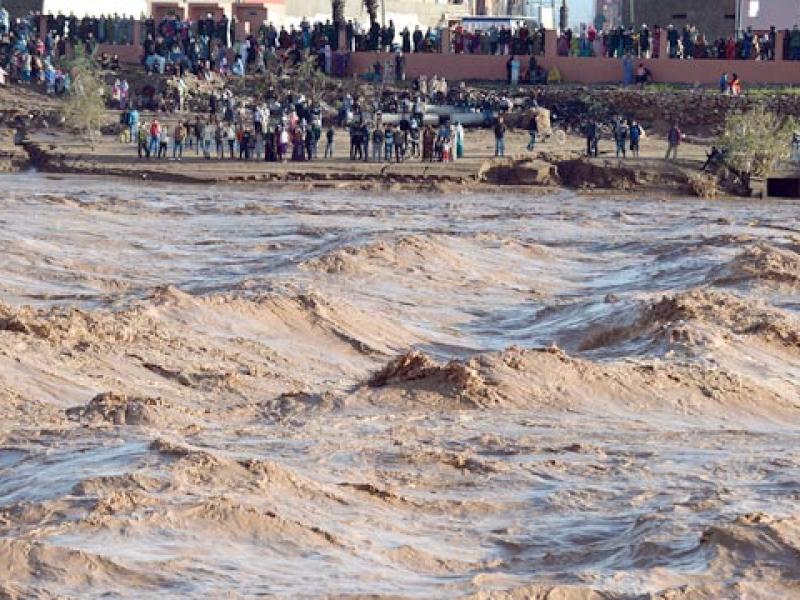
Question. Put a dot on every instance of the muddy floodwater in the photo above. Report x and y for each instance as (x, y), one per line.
(234, 393)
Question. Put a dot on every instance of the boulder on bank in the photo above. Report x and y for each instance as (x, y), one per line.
(602, 174)
(503, 171)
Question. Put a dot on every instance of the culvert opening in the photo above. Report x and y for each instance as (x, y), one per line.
(786, 187)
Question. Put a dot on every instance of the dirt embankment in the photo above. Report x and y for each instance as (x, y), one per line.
(12, 157)
(49, 156)
(546, 170)
(588, 174)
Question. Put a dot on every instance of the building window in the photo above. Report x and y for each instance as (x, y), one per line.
(753, 8)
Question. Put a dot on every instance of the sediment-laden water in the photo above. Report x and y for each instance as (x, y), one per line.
(237, 393)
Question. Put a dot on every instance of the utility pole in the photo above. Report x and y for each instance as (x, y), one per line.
(741, 7)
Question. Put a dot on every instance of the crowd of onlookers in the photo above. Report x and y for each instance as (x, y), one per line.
(498, 40)
(289, 130)
(180, 45)
(684, 43)
(26, 58)
(198, 40)
(204, 46)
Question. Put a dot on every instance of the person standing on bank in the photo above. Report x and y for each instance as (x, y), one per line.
(621, 137)
(178, 139)
(459, 132)
(329, 135)
(533, 131)
(500, 137)
(591, 138)
(673, 141)
(635, 131)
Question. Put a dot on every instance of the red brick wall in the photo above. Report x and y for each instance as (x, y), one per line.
(127, 54)
(455, 67)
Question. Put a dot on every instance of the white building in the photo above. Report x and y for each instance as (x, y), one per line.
(763, 14)
(280, 12)
(96, 7)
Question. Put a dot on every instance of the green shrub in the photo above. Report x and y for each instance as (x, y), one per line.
(756, 141)
(84, 107)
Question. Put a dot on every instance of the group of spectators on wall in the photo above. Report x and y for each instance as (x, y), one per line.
(686, 43)
(177, 48)
(171, 35)
(612, 43)
(523, 40)
(28, 59)
(105, 29)
(494, 40)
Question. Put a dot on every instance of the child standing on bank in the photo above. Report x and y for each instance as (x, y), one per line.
(329, 142)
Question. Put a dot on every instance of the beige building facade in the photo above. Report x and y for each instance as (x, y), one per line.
(763, 14)
(425, 13)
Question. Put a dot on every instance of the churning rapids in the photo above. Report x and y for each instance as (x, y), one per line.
(229, 393)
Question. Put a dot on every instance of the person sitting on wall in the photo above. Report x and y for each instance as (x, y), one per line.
(643, 75)
(735, 85)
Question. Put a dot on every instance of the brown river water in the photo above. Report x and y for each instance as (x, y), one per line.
(231, 393)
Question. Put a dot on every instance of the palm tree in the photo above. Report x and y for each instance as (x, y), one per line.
(372, 10)
(338, 11)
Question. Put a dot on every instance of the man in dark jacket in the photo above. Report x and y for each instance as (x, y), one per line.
(417, 37)
(673, 141)
(533, 130)
(591, 138)
(621, 137)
